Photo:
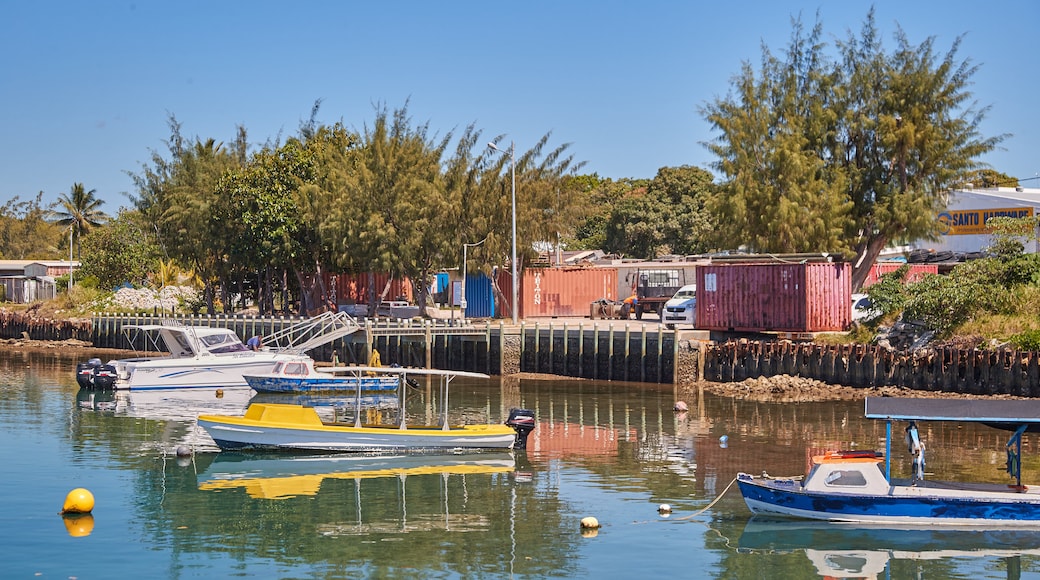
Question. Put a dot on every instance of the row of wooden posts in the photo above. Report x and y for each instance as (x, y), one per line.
(638, 353)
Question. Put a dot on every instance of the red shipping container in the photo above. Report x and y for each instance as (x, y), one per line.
(917, 271)
(548, 292)
(810, 297)
(358, 288)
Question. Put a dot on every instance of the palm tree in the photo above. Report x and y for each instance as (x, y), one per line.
(81, 211)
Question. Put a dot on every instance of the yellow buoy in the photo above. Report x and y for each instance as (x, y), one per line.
(79, 525)
(79, 501)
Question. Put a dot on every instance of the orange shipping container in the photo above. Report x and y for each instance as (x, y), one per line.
(561, 292)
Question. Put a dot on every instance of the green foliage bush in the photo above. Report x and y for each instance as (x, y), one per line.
(888, 295)
(946, 302)
(1028, 340)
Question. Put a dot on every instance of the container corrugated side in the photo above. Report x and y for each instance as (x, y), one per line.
(563, 292)
(810, 297)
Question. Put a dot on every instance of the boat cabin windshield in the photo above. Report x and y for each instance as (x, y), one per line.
(295, 369)
(223, 343)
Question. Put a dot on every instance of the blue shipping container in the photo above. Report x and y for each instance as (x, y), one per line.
(480, 299)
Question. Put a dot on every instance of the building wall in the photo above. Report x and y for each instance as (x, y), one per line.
(963, 221)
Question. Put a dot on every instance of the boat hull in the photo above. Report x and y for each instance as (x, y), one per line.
(200, 373)
(282, 384)
(903, 504)
(291, 427)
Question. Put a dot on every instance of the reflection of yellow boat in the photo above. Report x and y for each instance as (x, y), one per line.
(281, 477)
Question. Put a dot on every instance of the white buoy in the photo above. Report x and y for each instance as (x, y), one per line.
(590, 523)
(183, 451)
(664, 509)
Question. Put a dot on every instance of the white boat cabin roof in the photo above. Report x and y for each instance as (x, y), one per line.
(1012, 411)
(184, 341)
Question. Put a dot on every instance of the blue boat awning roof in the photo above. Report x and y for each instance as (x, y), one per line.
(1018, 411)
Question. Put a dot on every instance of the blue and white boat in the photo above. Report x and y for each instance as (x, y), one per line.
(856, 486)
(300, 376)
(203, 357)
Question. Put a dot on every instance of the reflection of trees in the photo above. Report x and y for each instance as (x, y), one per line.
(468, 525)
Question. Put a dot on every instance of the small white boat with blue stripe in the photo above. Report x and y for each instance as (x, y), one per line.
(856, 486)
(301, 376)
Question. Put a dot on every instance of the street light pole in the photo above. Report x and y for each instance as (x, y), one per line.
(512, 168)
(70, 256)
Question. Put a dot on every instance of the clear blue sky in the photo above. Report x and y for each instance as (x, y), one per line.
(86, 87)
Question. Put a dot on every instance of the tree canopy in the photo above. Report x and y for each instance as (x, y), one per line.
(647, 218)
(393, 198)
(845, 150)
(79, 209)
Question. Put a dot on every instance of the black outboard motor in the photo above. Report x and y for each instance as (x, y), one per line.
(104, 377)
(84, 371)
(522, 421)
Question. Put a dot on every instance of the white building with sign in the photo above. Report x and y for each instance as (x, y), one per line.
(964, 220)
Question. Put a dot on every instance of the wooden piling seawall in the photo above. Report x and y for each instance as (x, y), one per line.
(622, 351)
(20, 325)
(956, 370)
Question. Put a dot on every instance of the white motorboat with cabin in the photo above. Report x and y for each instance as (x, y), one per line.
(208, 357)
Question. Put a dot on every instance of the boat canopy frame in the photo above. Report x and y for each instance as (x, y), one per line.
(1016, 415)
(402, 373)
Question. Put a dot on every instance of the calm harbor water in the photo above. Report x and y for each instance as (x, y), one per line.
(614, 451)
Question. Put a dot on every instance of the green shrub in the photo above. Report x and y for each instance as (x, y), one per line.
(1028, 340)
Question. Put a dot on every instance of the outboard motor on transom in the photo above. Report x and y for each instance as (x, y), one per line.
(94, 374)
(522, 421)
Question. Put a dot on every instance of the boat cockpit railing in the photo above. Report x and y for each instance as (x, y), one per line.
(1014, 455)
(312, 333)
(1017, 416)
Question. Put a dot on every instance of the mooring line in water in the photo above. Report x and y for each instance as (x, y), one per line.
(713, 502)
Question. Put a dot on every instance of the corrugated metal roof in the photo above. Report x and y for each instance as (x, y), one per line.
(967, 410)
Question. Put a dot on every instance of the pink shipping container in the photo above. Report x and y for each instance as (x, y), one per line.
(917, 271)
(548, 292)
(811, 297)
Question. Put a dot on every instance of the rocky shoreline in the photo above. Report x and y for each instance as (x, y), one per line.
(790, 389)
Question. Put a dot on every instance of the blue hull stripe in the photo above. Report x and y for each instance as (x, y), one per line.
(835, 506)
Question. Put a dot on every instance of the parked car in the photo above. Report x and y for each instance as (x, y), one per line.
(681, 308)
(862, 308)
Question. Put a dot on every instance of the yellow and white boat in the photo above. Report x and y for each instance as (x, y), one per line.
(297, 427)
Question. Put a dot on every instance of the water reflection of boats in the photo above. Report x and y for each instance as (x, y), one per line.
(280, 477)
(165, 404)
(844, 550)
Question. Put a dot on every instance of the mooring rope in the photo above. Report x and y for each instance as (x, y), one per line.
(713, 502)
